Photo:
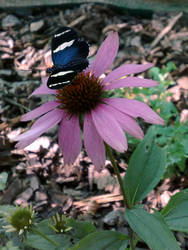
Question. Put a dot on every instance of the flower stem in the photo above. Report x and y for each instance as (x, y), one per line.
(45, 237)
(116, 170)
(133, 240)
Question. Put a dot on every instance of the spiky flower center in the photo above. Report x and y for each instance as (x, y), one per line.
(60, 224)
(82, 95)
(22, 219)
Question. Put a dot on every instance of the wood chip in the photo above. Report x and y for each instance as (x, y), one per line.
(100, 199)
(172, 22)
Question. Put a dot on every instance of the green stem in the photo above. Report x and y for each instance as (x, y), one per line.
(133, 240)
(45, 237)
(116, 170)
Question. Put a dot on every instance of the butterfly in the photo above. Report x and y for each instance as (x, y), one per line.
(69, 56)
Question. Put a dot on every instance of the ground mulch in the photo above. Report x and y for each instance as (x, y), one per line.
(38, 175)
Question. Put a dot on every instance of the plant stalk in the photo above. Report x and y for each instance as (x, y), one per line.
(45, 237)
(116, 170)
(133, 241)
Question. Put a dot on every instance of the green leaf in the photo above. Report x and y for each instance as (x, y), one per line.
(154, 72)
(44, 227)
(38, 242)
(152, 229)
(10, 246)
(3, 180)
(176, 212)
(102, 240)
(146, 167)
(170, 67)
(6, 210)
(80, 228)
(168, 109)
(184, 143)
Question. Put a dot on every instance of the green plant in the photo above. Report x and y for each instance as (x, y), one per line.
(145, 169)
(173, 137)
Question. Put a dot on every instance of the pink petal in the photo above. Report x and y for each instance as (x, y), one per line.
(135, 109)
(44, 108)
(93, 143)
(108, 127)
(43, 89)
(69, 137)
(106, 54)
(24, 143)
(128, 124)
(126, 69)
(44, 123)
(131, 82)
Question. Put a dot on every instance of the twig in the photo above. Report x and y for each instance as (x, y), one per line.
(77, 21)
(114, 27)
(166, 30)
(101, 199)
(16, 104)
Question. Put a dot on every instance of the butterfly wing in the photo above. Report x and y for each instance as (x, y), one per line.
(61, 79)
(69, 55)
(63, 75)
(67, 46)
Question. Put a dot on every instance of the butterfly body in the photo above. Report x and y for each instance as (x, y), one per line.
(69, 56)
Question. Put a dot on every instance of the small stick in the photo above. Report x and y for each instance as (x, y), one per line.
(100, 199)
(77, 21)
(166, 30)
(16, 104)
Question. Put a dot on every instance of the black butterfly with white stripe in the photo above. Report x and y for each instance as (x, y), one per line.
(69, 56)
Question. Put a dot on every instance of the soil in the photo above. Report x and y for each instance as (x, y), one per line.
(37, 175)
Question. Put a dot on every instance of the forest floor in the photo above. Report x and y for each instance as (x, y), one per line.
(37, 175)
